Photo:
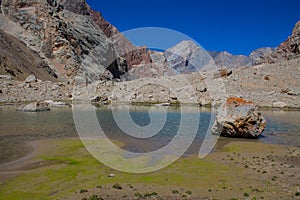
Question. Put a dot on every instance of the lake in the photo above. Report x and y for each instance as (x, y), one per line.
(17, 128)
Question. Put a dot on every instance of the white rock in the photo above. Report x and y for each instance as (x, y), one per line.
(5, 77)
(279, 104)
(35, 107)
(31, 79)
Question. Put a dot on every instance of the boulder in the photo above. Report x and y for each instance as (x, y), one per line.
(223, 72)
(35, 107)
(239, 118)
(279, 104)
(6, 77)
(55, 103)
(97, 99)
(31, 79)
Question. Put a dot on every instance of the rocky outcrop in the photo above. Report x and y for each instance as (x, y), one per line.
(239, 118)
(35, 107)
(287, 50)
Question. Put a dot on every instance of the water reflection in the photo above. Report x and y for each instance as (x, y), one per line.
(16, 128)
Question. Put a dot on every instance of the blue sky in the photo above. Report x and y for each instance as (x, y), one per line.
(233, 25)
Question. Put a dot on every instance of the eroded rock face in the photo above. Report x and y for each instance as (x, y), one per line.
(65, 32)
(239, 118)
(134, 55)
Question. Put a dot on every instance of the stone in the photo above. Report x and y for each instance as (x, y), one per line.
(223, 72)
(35, 107)
(5, 77)
(279, 104)
(31, 79)
(97, 99)
(239, 118)
(55, 103)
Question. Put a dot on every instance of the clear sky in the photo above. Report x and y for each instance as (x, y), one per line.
(237, 26)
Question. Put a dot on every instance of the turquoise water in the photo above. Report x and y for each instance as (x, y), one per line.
(17, 128)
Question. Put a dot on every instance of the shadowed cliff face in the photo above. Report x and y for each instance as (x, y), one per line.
(134, 56)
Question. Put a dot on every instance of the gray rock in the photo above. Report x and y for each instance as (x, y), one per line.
(55, 103)
(35, 107)
(279, 104)
(239, 118)
(31, 79)
(5, 77)
(97, 99)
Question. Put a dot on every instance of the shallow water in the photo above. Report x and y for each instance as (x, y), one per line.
(17, 128)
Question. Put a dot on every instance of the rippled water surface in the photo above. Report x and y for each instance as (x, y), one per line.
(17, 128)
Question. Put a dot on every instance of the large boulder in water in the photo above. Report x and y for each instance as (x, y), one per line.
(35, 107)
(239, 118)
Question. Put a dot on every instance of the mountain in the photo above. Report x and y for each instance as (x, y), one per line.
(68, 35)
(66, 38)
(226, 59)
(187, 57)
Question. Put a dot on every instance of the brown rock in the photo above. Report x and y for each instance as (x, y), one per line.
(239, 118)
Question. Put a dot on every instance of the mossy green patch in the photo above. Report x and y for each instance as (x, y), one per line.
(70, 168)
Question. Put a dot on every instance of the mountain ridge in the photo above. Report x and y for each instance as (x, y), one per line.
(66, 34)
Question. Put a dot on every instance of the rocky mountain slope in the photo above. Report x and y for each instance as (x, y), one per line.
(17, 61)
(289, 49)
(72, 39)
(263, 84)
(69, 34)
(65, 42)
